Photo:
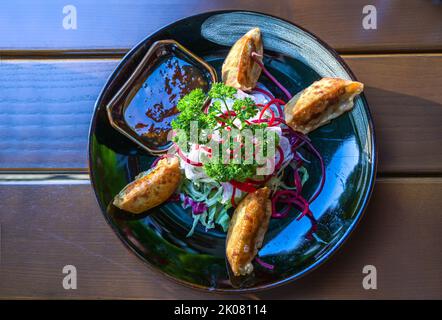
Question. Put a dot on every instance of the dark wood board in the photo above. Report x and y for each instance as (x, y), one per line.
(405, 25)
(45, 227)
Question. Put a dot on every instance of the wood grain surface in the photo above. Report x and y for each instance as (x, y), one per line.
(46, 107)
(402, 25)
(50, 78)
(405, 97)
(45, 111)
(45, 227)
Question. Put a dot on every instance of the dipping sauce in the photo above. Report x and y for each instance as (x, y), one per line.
(153, 107)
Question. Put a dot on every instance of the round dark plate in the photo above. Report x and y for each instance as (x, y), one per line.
(297, 58)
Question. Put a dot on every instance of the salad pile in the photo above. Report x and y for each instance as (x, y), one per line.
(221, 163)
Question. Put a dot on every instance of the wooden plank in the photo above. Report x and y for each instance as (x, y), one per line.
(68, 229)
(399, 235)
(405, 25)
(401, 25)
(45, 227)
(406, 104)
(46, 107)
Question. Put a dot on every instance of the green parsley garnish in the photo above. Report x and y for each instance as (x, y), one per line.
(217, 118)
(220, 91)
(225, 172)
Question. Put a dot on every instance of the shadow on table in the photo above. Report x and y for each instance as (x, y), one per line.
(408, 130)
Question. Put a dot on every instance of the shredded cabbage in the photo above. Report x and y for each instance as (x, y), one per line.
(210, 194)
(188, 202)
(210, 200)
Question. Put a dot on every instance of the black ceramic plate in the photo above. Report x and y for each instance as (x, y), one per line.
(297, 58)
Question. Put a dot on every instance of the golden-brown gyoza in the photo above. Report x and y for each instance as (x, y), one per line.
(239, 69)
(150, 188)
(321, 102)
(248, 226)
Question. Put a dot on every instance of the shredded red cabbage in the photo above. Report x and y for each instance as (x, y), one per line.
(243, 186)
(278, 103)
(296, 137)
(232, 198)
(197, 207)
(269, 75)
(264, 92)
(264, 264)
(183, 156)
(294, 197)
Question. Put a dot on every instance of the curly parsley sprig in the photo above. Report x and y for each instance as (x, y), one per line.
(216, 117)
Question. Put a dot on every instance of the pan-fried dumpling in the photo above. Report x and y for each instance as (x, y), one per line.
(248, 226)
(239, 69)
(321, 102)
(150, 188)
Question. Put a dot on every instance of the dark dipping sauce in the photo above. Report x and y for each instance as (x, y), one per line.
(153, 107)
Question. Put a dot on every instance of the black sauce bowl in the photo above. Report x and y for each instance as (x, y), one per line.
(157, 53)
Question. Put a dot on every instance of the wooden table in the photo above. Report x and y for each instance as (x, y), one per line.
(50, 78)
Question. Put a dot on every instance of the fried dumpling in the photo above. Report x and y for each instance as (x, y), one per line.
(150, 188)
(321, 102)
(248, 226)
(239, 69)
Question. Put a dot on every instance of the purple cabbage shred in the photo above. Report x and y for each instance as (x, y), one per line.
(197, 207)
